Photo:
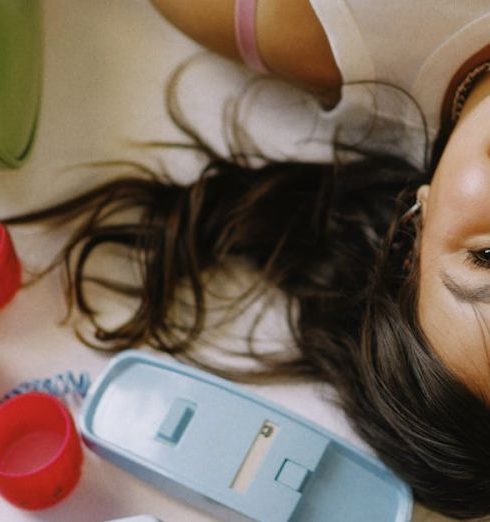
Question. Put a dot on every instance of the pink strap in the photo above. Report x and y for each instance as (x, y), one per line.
(245, 11)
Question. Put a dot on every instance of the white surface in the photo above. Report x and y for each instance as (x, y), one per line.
(105, 68)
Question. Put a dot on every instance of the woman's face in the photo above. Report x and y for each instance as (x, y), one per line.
(454, 298)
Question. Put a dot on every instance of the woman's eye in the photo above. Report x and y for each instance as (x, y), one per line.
(480, 258)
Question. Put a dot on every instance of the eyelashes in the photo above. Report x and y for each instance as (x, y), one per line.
(479, 258)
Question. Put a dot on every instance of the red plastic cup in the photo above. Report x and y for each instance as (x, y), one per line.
(40, 451)
(10, 271)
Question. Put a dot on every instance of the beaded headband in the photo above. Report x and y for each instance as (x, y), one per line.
(465, 88)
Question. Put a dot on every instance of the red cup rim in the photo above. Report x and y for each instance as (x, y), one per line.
(68, 424)
(6, 245)
(3, 241)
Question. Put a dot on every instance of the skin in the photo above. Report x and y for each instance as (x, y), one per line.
(290, 39)
(454, 294)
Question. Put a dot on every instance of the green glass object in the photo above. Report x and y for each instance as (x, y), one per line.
(20, 77)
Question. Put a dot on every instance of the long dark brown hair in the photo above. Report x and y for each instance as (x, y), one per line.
(331, 239)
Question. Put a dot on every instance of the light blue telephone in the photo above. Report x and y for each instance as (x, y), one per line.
(230, 452)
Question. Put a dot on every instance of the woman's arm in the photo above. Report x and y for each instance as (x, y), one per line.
(208, 22)
(291, 40)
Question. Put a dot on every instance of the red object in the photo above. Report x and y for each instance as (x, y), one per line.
(40, 451)
(9, 268)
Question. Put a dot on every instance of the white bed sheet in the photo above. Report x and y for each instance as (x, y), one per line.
(106, 63)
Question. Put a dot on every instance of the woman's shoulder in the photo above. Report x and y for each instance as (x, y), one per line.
(417, 46)
(396, 36)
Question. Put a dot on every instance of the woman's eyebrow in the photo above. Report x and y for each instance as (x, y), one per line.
(464, 293)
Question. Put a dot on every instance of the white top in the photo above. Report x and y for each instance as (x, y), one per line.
(416, 45)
